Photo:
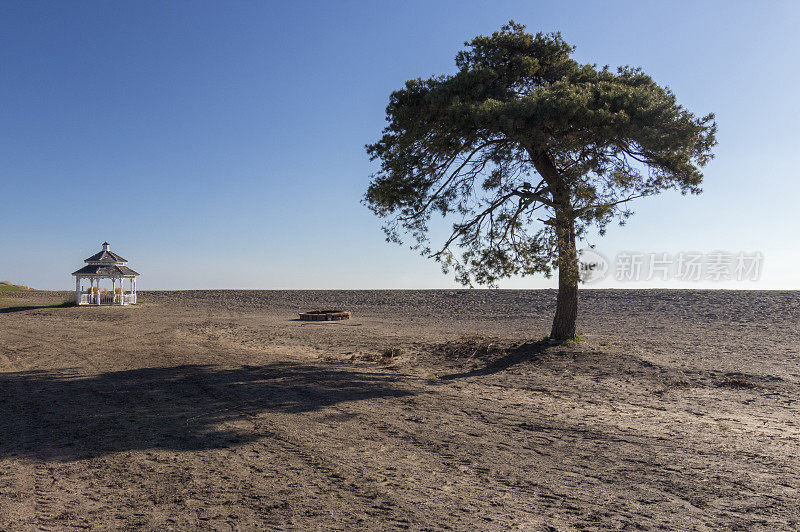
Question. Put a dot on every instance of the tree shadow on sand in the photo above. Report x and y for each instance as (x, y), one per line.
(526, 352)
(65, 415)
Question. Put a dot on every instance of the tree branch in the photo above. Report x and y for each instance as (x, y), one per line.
(450, 179)
(586, 208)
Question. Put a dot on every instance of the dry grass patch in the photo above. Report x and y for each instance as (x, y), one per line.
(386, 357)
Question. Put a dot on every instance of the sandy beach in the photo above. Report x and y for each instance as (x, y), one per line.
(428, 410)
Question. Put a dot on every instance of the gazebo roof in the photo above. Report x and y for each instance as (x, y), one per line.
(106, 270)
(106, 255)
(106, 263)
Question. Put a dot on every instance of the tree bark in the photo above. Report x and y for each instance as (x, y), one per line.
(564, 322)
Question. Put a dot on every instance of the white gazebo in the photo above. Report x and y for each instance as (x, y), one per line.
(105, 265)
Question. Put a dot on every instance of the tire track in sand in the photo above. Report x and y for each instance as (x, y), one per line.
(331, 478)
(44, 508)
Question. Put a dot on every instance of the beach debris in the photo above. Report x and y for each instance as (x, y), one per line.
(325, 315)
(737, 381)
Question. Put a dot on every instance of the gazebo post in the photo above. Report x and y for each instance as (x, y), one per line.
(77, 290)
(98, 291)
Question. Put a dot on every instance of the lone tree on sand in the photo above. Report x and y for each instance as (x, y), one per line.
(529, 149)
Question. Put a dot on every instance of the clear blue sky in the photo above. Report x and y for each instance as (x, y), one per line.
(220, 144)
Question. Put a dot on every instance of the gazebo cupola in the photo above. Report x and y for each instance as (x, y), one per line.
(105, 265)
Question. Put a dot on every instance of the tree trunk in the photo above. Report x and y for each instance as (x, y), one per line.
(568, 275)
(567, 262)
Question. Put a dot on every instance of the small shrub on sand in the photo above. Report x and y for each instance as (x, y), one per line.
(392, 352)
(578, 339)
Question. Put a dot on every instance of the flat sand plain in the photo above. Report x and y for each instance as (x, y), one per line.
(220, 410)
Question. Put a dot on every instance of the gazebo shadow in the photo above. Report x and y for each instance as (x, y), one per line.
(8, 310)
(65, 416)
(22, 308)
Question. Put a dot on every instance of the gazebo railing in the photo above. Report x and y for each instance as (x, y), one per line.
(106, 298)
(124, 299)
